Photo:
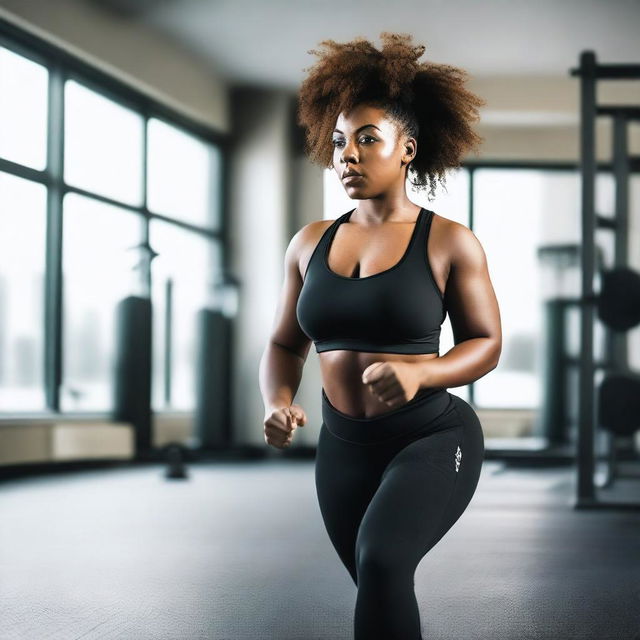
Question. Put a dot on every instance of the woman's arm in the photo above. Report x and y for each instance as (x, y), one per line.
(284, 356)
(474, 315)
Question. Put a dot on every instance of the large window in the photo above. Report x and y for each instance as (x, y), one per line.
(183, 176)
(183, 278)
(23, 110)
(103, 144)
(517, 211)
(97, 273)
(22, 279)
(90, 172)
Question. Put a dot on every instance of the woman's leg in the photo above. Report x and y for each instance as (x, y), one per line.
(346, 477)
(424, 489)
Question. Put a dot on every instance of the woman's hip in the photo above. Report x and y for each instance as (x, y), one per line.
(432, 412)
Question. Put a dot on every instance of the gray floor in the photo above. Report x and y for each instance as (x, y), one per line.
(239, 551)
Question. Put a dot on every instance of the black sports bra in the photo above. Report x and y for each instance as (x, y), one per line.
(398, 310)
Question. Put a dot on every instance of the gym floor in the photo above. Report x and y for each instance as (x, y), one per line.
(238, 551)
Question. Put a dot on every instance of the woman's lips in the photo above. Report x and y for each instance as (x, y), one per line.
(352, 178)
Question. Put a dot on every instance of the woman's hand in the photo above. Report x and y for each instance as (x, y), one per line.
(280, 424)
(394, 383)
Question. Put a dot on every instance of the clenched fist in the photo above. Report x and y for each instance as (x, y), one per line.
(280, 425)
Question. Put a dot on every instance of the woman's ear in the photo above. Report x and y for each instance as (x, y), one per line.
(409, 150)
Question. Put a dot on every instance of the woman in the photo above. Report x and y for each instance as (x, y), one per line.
(398, 457)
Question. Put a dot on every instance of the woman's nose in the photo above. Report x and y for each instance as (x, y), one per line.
(348, 154)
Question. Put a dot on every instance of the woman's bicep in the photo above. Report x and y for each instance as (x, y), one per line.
(471, 299)
(286, 330)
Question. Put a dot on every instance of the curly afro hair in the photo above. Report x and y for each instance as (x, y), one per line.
(426, 100)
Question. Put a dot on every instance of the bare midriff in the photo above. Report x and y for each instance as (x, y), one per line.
(342, 379)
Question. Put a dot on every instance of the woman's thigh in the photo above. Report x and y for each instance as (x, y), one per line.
(346, 476)
(405, 491)
(423, 491)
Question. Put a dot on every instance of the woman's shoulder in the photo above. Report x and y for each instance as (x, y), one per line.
(312, 228)
(309, 235)
(305, 240)
(461, 242)
(449, 230)
(450, 243)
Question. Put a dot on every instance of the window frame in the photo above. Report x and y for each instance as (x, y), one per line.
(62, 66)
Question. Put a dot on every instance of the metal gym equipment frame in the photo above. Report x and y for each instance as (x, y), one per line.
(589, 72)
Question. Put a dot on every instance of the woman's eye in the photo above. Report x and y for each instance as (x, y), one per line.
(335, 142)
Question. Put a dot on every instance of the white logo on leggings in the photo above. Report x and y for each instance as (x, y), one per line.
(458, 458)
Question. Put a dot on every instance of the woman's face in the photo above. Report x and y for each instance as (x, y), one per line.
(365, 140)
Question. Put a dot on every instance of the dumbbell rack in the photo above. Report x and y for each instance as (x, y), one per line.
(589, 72)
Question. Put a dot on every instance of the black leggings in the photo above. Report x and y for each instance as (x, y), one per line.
(389, 487)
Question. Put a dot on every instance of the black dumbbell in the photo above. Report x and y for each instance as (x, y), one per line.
(619, 404)
(618, 304)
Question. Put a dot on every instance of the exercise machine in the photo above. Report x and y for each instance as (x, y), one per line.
(612, 400)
